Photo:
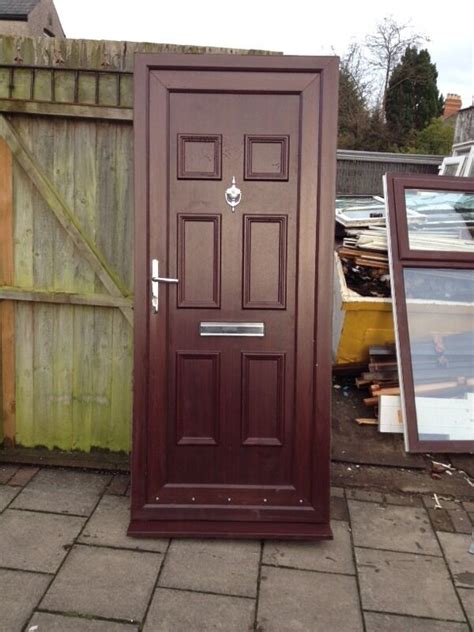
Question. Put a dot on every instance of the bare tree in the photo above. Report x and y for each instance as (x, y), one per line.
(354, 65)
(386, 46)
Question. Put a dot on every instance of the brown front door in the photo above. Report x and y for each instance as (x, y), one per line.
(232, 364)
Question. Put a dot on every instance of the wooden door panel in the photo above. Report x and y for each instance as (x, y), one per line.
(199, 157)
(199, 260)
(233, 430)
(263, 398)
(264, 261)
(197, 396)
(266, 157)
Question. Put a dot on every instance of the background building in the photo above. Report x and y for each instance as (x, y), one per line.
(30, 18)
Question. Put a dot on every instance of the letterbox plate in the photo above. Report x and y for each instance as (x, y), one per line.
(256, 330)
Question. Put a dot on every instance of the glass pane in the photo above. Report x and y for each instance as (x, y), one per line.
(451, 169)
(440, 220)
(440, 310)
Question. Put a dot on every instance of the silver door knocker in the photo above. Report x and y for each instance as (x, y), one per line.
(233, 195)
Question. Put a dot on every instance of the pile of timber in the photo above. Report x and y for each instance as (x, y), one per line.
(365, 258)
(441, 367)
(371, 239)
(366, 272)
(381, 378)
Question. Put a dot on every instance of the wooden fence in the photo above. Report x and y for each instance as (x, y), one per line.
(66, 224)
(66, 227)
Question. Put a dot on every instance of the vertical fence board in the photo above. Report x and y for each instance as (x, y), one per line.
(23, 196)
(121, 408)
(85, 196)
(7, 308)
(61, 415)
(43, 367)
(64, 264)
(26, 414)
(83, 378)
(123, 224)
(102, 369)
(107, 202)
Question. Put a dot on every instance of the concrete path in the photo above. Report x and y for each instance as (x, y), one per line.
(396, 564)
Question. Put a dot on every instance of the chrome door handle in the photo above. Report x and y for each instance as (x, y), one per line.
(155, 284)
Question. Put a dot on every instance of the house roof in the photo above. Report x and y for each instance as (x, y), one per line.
(16, 9)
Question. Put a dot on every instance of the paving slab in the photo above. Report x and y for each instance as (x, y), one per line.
(20, 592)
(377, 622)
(338, 509)
(109, 583)
(47, 622)
(334, 556)
(460, 561)
(467, 599)
(406, 583)
(365, 494)
(182, 611)
(440, 520)
(63, 491)
(293, 600)
(213, 566)
(460, 520)
(403, 499)
(7, 494)
(119, 485)
(35, 541)
(23, 476)
(392, 527)
(108, 527)
(7, 472)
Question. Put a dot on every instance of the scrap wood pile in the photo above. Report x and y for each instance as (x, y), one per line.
(363, 252)
(381, 378)
(441, 367)
(365, 271)
(437, 221)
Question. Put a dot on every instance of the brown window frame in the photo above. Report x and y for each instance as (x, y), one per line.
(401, 257)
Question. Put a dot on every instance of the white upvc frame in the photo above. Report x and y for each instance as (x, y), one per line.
(468, 169)
(462, 149)
(452, 160)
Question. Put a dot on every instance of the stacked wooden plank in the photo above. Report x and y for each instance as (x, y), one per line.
(381, 378)
(365, 258)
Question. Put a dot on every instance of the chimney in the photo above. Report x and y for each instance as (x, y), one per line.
(452, 105)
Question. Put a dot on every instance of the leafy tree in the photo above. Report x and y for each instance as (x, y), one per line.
(376, 136)
(412, 96)
(435, 138)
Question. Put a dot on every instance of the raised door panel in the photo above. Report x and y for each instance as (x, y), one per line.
(264, 261)
(263, 398)
(266, 157)
(199, 261)
(197, 397)
(199, 157)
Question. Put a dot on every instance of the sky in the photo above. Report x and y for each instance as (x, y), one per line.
(294, 27)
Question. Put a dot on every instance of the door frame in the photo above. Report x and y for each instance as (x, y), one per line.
(321, 200)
